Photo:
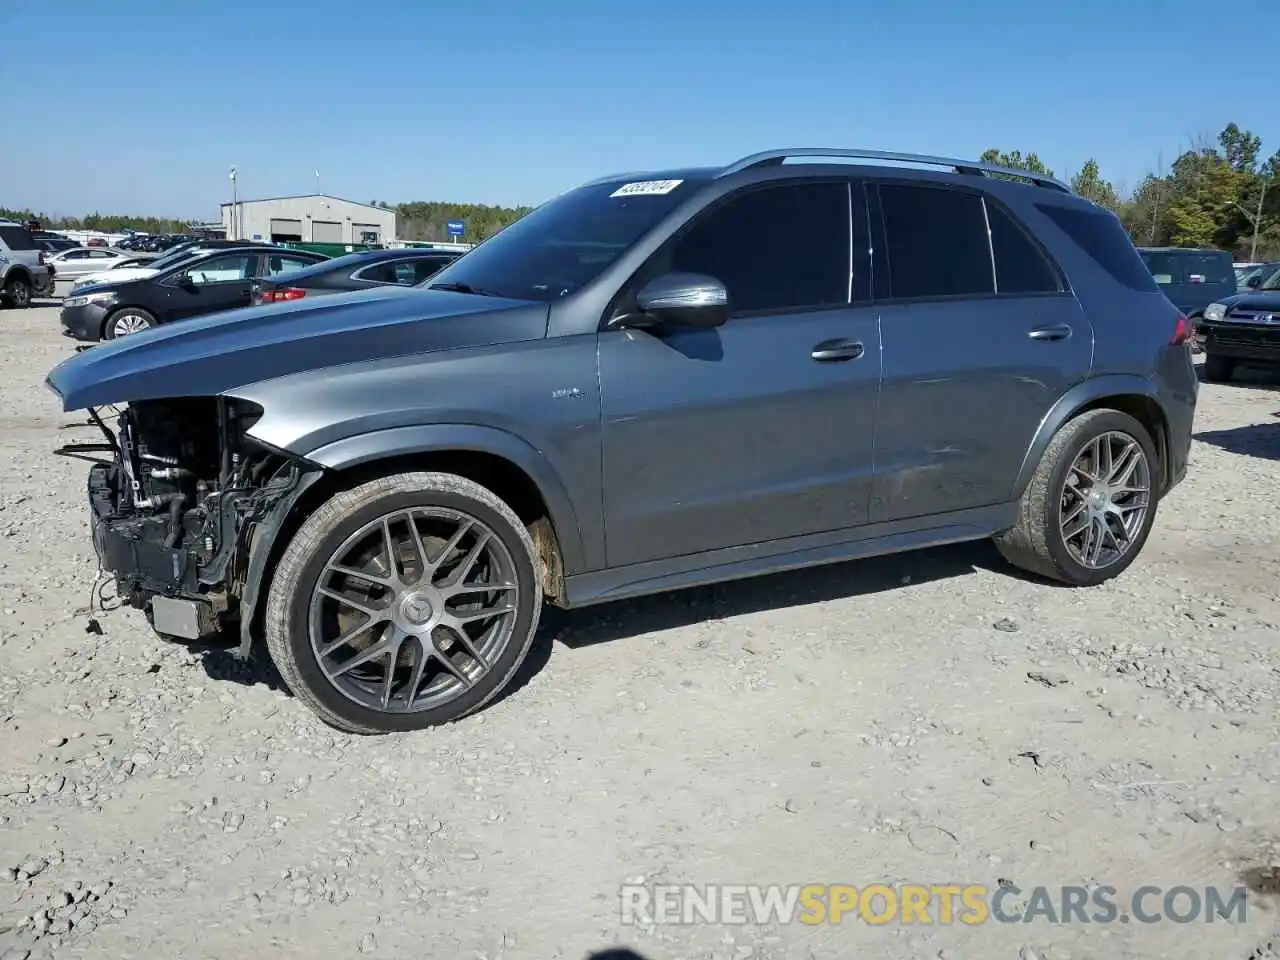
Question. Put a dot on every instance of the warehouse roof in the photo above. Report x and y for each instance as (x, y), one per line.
(311, 196)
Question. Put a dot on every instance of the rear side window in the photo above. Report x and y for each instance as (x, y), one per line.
(1165, 267)
(937, 242)
(17, 238)
(278, 265)
(1020, 265)
(1100, 236)
(1209, 268)
(426, 269)
(400, 272)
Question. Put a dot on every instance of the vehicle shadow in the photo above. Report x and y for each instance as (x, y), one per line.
(1260, 440)
(1266, 378)
(219, 660)
(616, 953)
(623, 619)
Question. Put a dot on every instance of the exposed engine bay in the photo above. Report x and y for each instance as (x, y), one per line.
(176, 494)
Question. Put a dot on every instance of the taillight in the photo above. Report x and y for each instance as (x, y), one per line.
(278, 296)
(1182, 331)
(44, 257)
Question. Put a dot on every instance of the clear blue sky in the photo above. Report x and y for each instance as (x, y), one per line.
(141, 106)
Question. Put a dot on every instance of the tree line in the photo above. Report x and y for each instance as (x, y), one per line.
(105, 222)
(427, 219)
(1217, 193)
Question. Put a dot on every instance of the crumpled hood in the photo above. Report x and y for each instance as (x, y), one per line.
(219, 352)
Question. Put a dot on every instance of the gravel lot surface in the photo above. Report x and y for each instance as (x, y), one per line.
(929, 718)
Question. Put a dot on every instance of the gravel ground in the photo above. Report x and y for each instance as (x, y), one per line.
(927, 718)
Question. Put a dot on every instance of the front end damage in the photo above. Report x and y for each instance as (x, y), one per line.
(184, 507)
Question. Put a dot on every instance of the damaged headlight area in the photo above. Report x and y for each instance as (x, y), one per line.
(176, 493)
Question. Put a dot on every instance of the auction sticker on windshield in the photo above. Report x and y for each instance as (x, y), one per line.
(646, 188)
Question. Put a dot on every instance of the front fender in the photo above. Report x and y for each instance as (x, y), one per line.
(1079, 396)
(475, 438)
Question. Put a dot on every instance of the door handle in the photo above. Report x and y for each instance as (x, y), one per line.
(837, 351)
(1060, 331)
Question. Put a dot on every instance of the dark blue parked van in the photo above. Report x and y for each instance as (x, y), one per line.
(1192, 278)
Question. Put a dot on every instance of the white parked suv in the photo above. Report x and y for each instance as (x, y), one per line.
(23, 271)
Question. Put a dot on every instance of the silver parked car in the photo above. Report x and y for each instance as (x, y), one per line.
(82, 261)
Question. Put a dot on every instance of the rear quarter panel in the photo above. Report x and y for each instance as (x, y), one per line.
(1133, 331)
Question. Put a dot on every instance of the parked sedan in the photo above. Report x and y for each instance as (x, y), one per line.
(153, 262)
(79, 262)
(357, 271)
(189, 288)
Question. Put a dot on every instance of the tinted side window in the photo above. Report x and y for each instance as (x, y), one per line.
(1210, 268)
(392, 271)
(1100, 235)
(1020, 265)
(777, 248)
(17, 238)
(1164, 267)
(279, 265)
(426, 269)
(937, 242)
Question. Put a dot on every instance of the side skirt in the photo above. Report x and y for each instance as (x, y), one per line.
(735, 563)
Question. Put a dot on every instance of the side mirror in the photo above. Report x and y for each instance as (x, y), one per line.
(1253, 282)
(683, 299)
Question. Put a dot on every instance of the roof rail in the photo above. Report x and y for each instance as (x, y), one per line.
(974, 168)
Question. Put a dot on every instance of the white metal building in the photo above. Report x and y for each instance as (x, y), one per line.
(310, 219)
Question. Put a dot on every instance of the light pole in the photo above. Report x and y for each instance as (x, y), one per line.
(235, 208)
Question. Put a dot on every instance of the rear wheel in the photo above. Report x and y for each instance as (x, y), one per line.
(404, 603)
(1217, 368)
(1089, 507)
(126, 321)
(17, 292)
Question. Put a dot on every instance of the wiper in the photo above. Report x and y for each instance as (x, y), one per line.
(455, 287)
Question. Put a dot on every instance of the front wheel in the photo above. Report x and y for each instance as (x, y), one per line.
(1090, 505)
(17, 292)
(125, 321)
(406, 602)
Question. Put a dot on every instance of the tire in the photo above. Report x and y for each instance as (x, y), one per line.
(111, 327)
(1218, 369)
(17, 292)
(291, 613)
(1036, 543)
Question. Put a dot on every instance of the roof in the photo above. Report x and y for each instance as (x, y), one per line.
(1213, 250)
(399, 253)
(311, 196)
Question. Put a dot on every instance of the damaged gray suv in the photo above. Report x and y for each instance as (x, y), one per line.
(650, 382)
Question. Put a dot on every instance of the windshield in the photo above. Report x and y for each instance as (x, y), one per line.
(173, 256)
(1245, 274)
(567, 242)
